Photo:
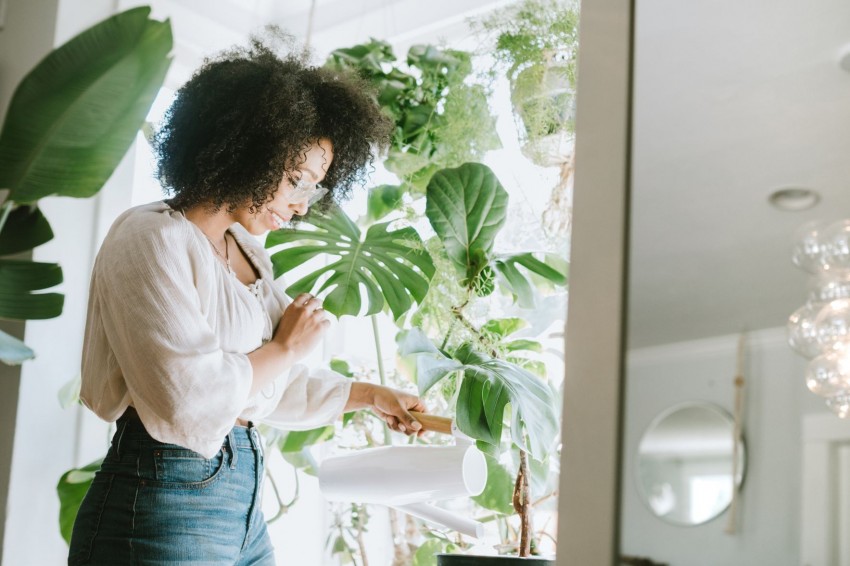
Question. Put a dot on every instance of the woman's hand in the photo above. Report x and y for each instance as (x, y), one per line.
(392, 405)
(301, 326)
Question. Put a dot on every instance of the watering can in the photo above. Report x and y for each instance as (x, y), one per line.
(408, 477)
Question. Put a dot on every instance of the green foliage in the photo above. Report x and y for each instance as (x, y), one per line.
(488, 386)
(72, 488)
(426, 553)
(536, 42)
(25, 228)
(553, 269)
(467, 207)
(382, 200)
(297, 440)
(534, 31)
(69, 123)
(425, 363)
(391, 265)
(499, 489)
(74, 116)
(441, 120)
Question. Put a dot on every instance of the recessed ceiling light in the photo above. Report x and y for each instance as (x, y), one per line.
(794, 199)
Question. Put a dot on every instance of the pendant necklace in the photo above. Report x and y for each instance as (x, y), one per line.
(226, 256)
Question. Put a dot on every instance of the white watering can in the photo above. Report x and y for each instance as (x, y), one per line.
(408, 477)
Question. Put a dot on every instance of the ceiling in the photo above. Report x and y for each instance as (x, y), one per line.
(732, 100)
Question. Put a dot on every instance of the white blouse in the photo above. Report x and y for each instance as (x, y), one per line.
(169, 329)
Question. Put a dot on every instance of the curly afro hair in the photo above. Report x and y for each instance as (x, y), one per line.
(245, 119)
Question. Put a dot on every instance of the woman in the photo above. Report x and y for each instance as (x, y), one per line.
(189, 341)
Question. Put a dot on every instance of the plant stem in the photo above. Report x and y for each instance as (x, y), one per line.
(361, 544)
(381, 374)
(522, 505)
(282, 507)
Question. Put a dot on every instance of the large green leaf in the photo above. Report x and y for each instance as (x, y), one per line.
(18, 278)
(74, 116)
(467, 207)
(382, 200)
(25, 228)
(498, 493)
(552, 268)
(72, 488)
(488, 385)
(426, 364)
(391, 265)
(13, 351)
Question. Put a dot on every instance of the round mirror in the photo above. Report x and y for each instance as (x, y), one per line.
(685, 463)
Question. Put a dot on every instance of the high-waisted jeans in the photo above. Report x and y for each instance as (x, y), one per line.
(161, 504)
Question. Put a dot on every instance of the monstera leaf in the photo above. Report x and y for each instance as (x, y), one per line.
(467, 206)
(390, 265)
(73, 117)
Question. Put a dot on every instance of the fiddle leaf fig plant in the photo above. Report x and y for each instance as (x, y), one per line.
(69, 123)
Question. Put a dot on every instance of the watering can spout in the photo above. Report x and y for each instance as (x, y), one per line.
(444, 518)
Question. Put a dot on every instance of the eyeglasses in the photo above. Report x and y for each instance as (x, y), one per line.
(305, 190)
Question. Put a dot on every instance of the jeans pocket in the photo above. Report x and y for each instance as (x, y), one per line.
(184, 468)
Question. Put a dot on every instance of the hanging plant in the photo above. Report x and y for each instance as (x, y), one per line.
(536, 43)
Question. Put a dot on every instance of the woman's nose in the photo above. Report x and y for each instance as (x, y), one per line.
(300, 207)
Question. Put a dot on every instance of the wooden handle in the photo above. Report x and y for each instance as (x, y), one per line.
(433, 422)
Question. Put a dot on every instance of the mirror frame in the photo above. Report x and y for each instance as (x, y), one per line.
(742, 470)
(591, 424)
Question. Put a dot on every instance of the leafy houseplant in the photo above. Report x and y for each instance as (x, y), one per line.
(536, 41)
(466, 207)
(69, 123)
(441, 118)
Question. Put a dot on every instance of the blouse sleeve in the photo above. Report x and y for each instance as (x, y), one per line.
(185, 388)
(310, 399)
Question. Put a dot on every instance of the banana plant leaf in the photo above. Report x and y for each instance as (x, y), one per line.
(392, 266)
(552, 268)
(72, 488)
(467, 207)
(74, 116)
(25, 228)
(18, 278)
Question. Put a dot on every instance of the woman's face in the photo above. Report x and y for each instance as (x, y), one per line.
(292, 200)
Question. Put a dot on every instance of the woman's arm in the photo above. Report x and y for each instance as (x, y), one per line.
(301, 326)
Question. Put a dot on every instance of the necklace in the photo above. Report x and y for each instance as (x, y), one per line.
(226, 256)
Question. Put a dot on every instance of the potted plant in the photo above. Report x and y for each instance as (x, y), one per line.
(70, 121)
(536, 43)
(482, 365)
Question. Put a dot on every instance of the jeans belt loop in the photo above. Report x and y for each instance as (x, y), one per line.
(231, 441)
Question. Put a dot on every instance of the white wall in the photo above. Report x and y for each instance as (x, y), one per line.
(775, 400)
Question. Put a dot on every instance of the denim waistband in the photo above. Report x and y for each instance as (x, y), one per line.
(238, 437)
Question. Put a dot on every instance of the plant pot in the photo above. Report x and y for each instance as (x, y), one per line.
(469, 560)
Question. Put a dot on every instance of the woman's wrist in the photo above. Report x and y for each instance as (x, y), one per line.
(360, 396)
